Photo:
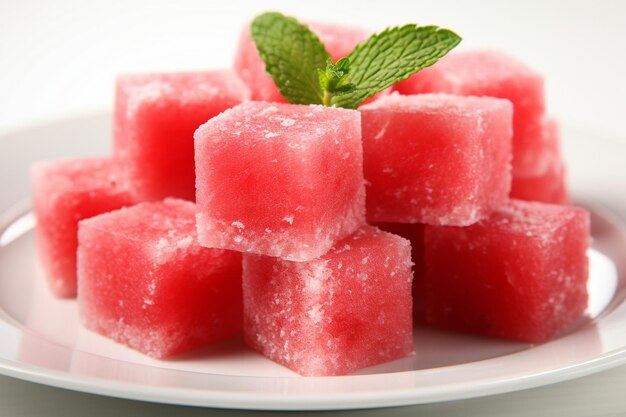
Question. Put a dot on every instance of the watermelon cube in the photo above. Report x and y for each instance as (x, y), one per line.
(520, 274)
(349, 309)
(155, 117)
(490, 73)
(145, 282)
(279, 179)
(414, 233)
(435, 158)
(542, 153)
(339, 41)
(65, 192)
(549, 185)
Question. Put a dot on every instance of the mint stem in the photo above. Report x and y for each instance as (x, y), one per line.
(328, 97)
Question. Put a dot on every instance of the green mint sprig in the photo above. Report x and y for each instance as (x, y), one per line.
(302, 69)
(391, 56)
(334, 80)
(292, 54)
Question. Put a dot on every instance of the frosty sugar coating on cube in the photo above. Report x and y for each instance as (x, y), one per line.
(145, 282)
(279, 179)
(490, 73)
(155, 118)
(334, 315)
(520, 274)
(339, 41)
(65, 192)
(414, 233)
(436, 158)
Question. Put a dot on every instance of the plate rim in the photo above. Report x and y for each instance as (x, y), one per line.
(301, 402)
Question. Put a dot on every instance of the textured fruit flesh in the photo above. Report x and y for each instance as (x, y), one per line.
(145, 282)
(550, 185)
(520, 274)
(155, 118)
(344, 311)
(65, 192)
(279, 179)
(414, 233)
(436, 158)
(494, 74)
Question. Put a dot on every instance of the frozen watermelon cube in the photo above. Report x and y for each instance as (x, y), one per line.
(145, 282)
(520, 274)
(155, 117)
(65, 192)
(339, 41)
(349, 309)
(414, 233)
(549, 185)
(541, 154)
(490, 73)
(279, 179)
(435, 158)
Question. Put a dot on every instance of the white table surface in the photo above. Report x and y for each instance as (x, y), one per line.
(58, 60)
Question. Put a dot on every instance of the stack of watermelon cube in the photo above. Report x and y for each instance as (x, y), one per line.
(538, 170)
(319, 233)
(479, 273)
(140, 275)
(324, 294)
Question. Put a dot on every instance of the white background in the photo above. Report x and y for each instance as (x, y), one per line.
(59, 58)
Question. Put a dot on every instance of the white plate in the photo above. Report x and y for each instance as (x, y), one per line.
(42, 341)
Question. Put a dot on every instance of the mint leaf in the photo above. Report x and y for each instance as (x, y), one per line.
(305, 74)
(391, 56)
(292, 54)
(333, 80)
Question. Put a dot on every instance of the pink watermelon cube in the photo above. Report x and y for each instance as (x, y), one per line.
(155, 117)
(435, 158)
(520, 274)
(145, 282)
(65, 192)
(338, 40)
(542, 153)
(414, 233)
(344, 311)
(490, 73)
(549, 186)
(279, 179)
